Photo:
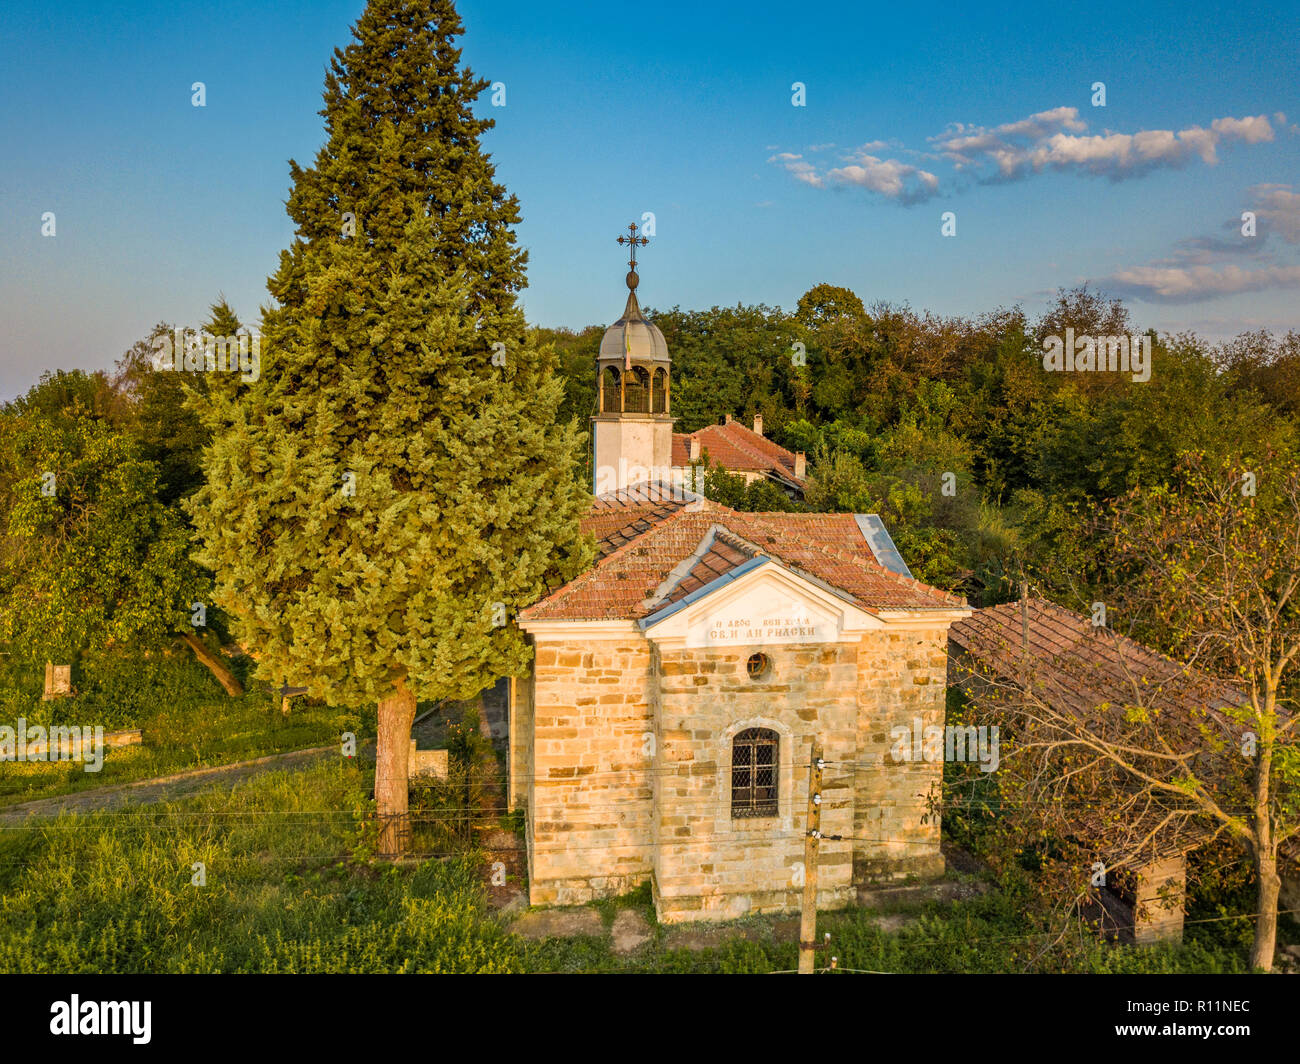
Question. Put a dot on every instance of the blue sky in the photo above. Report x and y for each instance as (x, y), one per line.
(682, 109)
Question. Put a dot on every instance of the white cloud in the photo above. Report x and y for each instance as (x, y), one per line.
(1190, 284)
(1054, 139)
(1057, 139)
(891, 178)
(1280, 207)
(798, 166)
(967, 146)
(1199, 268)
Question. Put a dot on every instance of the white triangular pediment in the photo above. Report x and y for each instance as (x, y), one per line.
(768, 605)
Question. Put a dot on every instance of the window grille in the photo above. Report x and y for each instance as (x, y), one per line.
(753, 773)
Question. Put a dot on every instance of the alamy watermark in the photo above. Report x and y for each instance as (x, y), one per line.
(77, 1017)
(1098, 354)
(956, 742)
(58, 743)
(196, 352)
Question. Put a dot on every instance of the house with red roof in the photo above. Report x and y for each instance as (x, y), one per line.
(1056, 677)
(742, 452)
(681, 683)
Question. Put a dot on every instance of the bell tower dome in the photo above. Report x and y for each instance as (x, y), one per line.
(632, 429)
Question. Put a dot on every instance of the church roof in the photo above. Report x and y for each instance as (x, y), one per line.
(633, 336)
(718, 554)
(619, 516)
(655, 558)
(738, 449)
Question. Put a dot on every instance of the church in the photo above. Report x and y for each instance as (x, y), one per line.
(679, 684)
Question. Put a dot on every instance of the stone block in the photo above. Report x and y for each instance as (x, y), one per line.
(58, 682)
(427, 764)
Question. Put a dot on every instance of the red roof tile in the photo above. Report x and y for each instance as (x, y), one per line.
(718, 555)
(1086, 665)
(1089, 675)
(737, 449)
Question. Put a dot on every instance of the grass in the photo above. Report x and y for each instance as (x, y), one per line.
(292, 886)
(187, 721)
(989, 934)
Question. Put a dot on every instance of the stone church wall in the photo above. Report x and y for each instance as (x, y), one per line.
(624, 767)
(590, 801)
(709, 865)
(902, 678)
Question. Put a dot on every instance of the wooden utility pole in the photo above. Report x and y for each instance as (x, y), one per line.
(808, 923)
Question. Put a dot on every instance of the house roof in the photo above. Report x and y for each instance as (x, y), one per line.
(618, 517)
(661, 555)
(737, 449)
(1090, 675)
(1082, 665)
(716, 555)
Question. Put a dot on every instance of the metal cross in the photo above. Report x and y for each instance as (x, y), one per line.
(634, 241)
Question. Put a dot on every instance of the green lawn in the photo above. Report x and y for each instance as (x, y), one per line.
(291, 886)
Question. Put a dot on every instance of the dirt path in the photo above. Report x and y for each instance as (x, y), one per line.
(159, 788)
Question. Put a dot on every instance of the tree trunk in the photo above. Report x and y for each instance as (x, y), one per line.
(1264, 843)
(1270, 884)
(214, 665)
(396, 715)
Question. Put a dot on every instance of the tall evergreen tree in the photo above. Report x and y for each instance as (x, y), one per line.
(396, 482)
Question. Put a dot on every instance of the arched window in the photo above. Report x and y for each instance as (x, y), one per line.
(753, 773)
(610, 392)
(637, 393)
(660, 404)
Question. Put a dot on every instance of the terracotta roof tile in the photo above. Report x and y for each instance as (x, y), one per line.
(738, 449)
(1088, 665)
(618, 517)
(1089, 675)
(722, 554)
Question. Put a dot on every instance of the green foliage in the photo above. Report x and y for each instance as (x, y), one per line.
(840, 483)
(1098, 447)
(466, 743)
(159, 411)
(728, 361)
(100, 561)
(186, 719)
(732, 489)
(826, 304)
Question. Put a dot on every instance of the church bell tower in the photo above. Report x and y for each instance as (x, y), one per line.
(632, 430)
